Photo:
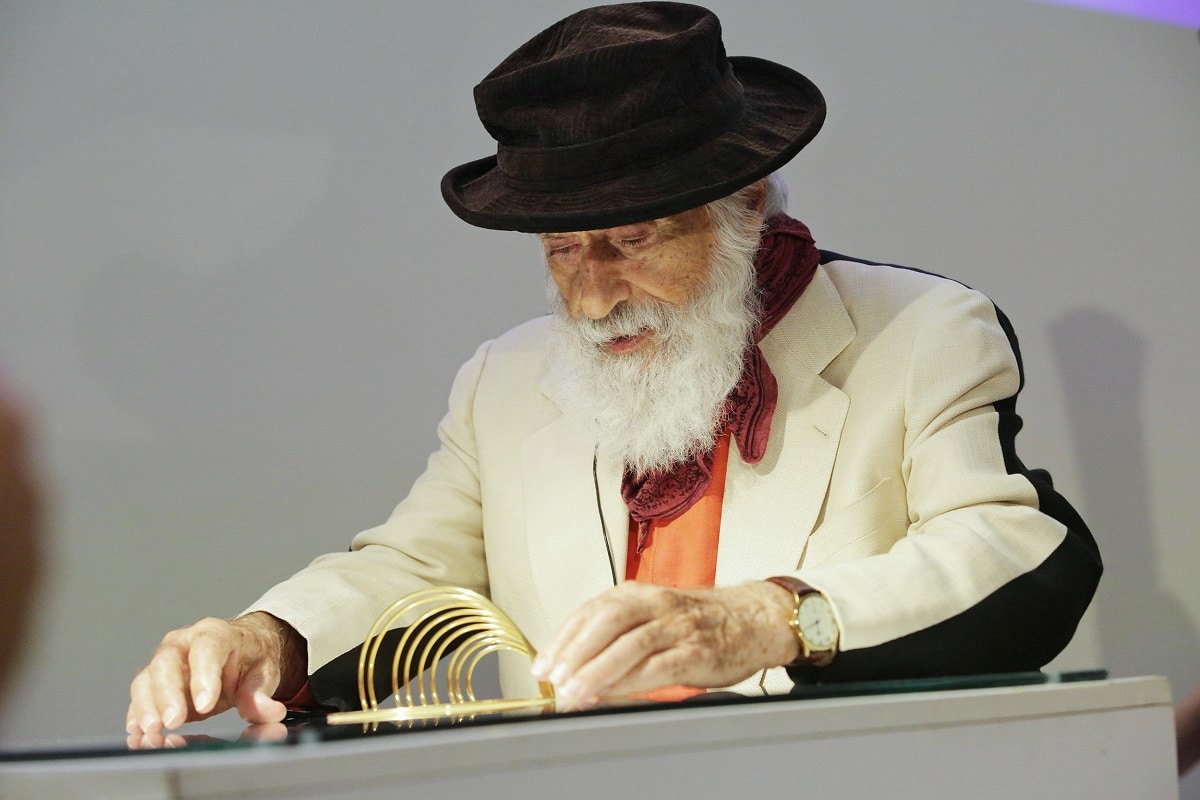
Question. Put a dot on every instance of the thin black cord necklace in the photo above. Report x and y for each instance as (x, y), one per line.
(612, 562)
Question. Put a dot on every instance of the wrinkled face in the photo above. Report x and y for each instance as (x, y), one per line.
(650, 325)
(664, 260)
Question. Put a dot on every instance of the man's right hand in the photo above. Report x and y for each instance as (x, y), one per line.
(215, 665)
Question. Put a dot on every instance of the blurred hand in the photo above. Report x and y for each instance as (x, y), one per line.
(215, 665)
(20, 533)
(636, 637)
(1187, 732)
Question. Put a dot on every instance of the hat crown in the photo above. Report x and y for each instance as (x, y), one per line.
(607, 71)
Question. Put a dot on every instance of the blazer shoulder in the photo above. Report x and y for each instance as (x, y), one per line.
(531, 335)
(514, 365)
(889, 276)
(872, 287)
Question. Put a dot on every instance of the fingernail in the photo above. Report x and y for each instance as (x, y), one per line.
(571, 689)
(201, 700)
(170, 717)
(559, 674)
(131, 727)
(538, 668)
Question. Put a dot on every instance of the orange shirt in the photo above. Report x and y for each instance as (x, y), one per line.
(681, 552)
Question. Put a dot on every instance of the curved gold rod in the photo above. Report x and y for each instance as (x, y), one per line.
(386, 620)
(407, 713)
(436, 645)
(432, 627)
(449, 621)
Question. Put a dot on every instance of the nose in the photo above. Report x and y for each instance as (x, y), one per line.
(601, 282)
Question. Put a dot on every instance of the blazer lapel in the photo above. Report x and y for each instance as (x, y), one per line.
(565, 525)
(771, 507)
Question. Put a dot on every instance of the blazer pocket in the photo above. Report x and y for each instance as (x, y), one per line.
(868, 526)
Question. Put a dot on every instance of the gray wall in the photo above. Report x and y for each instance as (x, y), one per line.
(228, 280)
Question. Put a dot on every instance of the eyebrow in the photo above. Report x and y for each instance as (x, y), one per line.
(617, 230)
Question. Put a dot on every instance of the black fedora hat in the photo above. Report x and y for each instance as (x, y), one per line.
(624, 113)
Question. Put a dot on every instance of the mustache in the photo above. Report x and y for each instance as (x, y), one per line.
(628, 319)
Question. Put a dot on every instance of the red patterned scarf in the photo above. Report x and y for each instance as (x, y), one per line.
(786, 261)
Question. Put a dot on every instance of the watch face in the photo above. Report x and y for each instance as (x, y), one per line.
(817, 622)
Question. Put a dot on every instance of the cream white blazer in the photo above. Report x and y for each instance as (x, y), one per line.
(890, 482)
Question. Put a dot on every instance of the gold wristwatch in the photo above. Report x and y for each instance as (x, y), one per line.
(813, 622)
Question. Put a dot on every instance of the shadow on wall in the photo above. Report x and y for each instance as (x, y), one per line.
(1143, 629)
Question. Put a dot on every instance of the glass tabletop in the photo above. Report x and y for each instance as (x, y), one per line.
(222, 733)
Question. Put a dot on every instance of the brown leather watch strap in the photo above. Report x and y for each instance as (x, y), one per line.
(791, 584)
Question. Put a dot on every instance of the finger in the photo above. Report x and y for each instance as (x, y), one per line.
(559, 661)
(143, 712)
(257, 708)
(604, 621)
(548, 656)
(253, 695)
(623, 661)
(147, 740)
(212, 648)
(669, 667)
(167, 681)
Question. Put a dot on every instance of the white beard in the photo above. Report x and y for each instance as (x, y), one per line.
(657, 408)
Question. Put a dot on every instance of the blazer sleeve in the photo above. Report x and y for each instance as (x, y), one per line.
(996, 568)
(433, 537)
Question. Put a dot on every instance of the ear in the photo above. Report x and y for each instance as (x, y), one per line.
(756, 197)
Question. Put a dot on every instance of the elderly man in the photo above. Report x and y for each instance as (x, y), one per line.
(727, 458)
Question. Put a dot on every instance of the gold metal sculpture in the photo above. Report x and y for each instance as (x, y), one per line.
(457, 625)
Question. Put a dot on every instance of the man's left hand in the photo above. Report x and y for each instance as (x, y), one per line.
(636, 637)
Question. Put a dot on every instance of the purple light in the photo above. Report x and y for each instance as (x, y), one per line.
(1175, 12)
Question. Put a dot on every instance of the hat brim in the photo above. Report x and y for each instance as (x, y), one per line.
(783, 112)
